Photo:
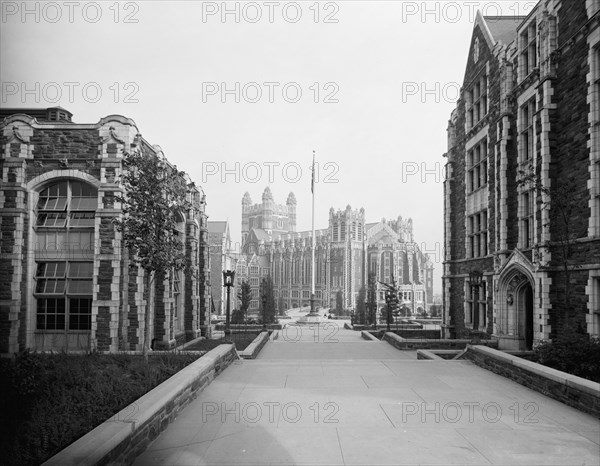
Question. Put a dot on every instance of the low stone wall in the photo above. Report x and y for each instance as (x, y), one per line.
(447, 355)
(574, 391)
(415, 344)
(418, 334)
(383, 327)
(254, 348)
(249, 327)
(426, 354)
(123, 437)
(368, 336)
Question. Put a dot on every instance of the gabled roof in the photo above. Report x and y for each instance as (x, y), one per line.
(498, 28)
(503, 28)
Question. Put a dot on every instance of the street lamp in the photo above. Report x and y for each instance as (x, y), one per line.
(475, 277)
(228, 276)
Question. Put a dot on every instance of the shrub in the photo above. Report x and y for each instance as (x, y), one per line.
(48, 401)
(574, 353)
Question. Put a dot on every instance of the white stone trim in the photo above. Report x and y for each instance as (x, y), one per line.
(593, 99)
(592, 7)
(592, 290)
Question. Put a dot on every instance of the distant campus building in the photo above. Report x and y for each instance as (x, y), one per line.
(346, 252)
(65, 279)
(522, 194)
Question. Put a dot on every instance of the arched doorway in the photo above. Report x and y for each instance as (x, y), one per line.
(513, 307)
(525, 304)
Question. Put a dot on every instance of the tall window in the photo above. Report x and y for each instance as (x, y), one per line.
(386, 267)
(476, 312)
(477, 101)
(64, 227)
(477, 238)
(527, 134)
(528, 211)
(477, 166)
(528, 50)
(178, 302)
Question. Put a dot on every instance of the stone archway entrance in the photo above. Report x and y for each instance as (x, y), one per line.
(514, 307)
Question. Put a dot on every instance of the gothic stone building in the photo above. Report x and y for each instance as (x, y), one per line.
(345, 253)
(522, 194)
(222, 258)
(65, 280)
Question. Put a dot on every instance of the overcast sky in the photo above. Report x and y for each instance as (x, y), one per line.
(249, 86)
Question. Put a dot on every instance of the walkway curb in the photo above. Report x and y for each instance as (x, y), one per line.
(254, 348)
(120, 439)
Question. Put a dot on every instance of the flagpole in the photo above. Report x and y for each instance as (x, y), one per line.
(312, 293)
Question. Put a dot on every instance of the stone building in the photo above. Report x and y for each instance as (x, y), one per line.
(522, 188)
(65, 280)
(222, 258)
(345, 253)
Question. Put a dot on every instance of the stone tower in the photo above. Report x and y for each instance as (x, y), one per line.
(246, 205)
(267, 210)
(291, 205)
(346, 230)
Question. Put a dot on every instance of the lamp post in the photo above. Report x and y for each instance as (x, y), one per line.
(228, 276)
(475, 278)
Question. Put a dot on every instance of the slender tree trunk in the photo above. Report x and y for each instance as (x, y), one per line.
(147, 286)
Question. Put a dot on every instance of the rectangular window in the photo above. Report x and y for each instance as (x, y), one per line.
(528, 211)
(477, 166)
(527, 133)
(477, 238)
(52, 219)
(80, 313)
(528, 50)
(482, 305)
(51, 314)
(50, 278)
(477, 101)
(81, 219)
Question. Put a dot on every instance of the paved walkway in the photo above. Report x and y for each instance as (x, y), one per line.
(332, 398)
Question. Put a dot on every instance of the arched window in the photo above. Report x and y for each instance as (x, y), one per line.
(64, 228)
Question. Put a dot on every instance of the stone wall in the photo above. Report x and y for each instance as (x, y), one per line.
(411, 345)
(34, 154)
(572, 390)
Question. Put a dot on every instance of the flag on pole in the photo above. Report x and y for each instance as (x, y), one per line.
(312, 181)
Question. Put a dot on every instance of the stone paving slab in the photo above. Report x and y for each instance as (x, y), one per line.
(356, 403)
